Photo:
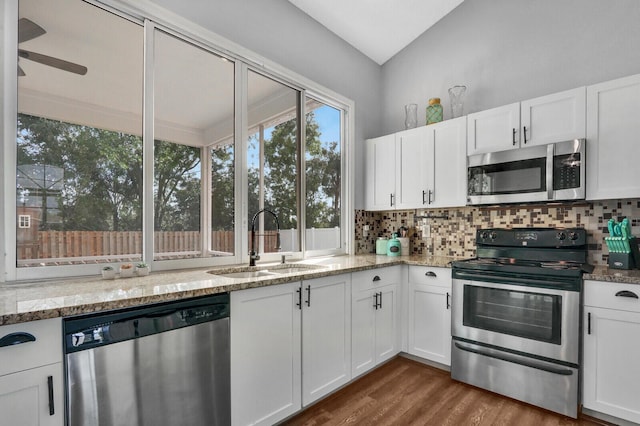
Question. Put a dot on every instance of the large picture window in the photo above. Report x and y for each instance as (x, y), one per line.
(79, 141)
(101, 164)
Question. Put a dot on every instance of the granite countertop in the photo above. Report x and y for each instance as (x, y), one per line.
(30, 301)
(604, 273)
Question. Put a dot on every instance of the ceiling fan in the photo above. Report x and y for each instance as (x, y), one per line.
(28, 30)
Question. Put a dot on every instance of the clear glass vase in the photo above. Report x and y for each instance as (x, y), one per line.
(457, 93)
(410, 116)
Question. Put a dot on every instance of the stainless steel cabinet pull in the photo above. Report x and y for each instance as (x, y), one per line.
(430, 198)
(448, 304)
(380, 304)
(16, 339)
(627, 293)
(299, 303)
(375, 301)
(309, 295)
(514, 137)
(524, 128)
(52, 409)
(589, 323)
(430, 274)
(423, 194)
(391, 198)
(376, 278)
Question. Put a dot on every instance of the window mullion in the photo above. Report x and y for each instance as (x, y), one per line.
(148, 225)
(302, 150)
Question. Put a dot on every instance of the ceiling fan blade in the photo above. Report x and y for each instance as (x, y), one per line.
(20, 72)
(28, 30)
(53, 62)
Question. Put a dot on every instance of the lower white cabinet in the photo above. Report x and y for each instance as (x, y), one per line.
(290, 345)
(376, 321)
(611, 382)
(31, 376)
(429, 334)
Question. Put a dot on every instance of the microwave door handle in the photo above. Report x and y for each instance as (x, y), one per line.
(549, 182)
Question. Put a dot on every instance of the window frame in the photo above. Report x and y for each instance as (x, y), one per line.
(152, 17)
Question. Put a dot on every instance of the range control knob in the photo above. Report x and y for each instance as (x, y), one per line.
(493, 235)
(573, 236)
(484, 235)
(561, 236)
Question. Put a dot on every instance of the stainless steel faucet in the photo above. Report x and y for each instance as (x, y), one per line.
(253, 255)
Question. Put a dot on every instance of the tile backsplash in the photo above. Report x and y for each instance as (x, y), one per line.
(455, 235)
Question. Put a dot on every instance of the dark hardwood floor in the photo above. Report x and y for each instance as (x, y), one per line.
(406, 392)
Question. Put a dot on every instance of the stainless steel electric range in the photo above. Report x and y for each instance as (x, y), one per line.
(516, 315)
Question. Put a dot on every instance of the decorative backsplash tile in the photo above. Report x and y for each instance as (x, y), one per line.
(455, 235)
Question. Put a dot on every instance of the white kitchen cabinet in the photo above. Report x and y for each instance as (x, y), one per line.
(611, 382)
(430, 313)
(547, 119)
(380, 173)
(326, 335)
(290, 345)
(613, 130)
(265, 354)
(31, 374)
(375, 317)
(448, 183)
(427, 168)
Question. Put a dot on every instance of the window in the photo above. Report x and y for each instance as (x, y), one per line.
(193, 119)
(79, 146)
(83, 193)
(273, 162)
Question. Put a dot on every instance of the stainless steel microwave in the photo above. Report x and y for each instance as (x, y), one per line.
(534, 174)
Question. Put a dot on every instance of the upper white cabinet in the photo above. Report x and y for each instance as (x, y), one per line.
(380, 173)
(31, 374)
(547, 119)
(611, 324)
(430, 313)
(418, 168)
(613, 135)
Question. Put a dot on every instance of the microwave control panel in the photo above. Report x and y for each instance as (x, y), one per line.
(566, 171)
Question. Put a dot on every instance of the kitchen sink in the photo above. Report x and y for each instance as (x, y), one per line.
(265, 271)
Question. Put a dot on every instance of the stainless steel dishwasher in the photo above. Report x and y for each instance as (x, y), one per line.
(165, 364)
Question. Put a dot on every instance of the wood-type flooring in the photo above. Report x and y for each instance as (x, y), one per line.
(406, 392)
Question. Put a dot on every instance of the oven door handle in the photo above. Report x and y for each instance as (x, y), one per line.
(505, 280)
(504, 356)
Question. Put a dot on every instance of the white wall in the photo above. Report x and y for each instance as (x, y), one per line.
(280, 32)
(506, 51)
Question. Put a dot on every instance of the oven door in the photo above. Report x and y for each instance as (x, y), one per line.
(529, 319)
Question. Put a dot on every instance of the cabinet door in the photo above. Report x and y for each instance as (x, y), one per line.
(25, 397)
(493, 130)
(387, 319)
(450, 166)
(265, 354)
(554, 118)
(326, 335)
(613, 129)
(381, 173)
(363, 332)
(611, 369)
(414, 174)
(430, 322)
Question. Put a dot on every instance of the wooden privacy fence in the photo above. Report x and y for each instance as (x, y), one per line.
(66, 244)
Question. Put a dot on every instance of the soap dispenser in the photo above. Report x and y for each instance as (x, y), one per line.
(393, 246)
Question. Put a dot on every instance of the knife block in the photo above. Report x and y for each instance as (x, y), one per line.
(629, 260)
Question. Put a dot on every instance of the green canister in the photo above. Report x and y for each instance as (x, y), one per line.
(434, 111)
(393, 246)
(381, 245)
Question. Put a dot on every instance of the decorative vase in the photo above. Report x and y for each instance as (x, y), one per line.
(108, 274)
(142, 271)
(457, 100)
(434, 111)
(126, 270)
(410, 116)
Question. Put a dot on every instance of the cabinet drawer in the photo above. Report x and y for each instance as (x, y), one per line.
(430, 275)
(612, 295)
(45, 349)
(374, 278)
